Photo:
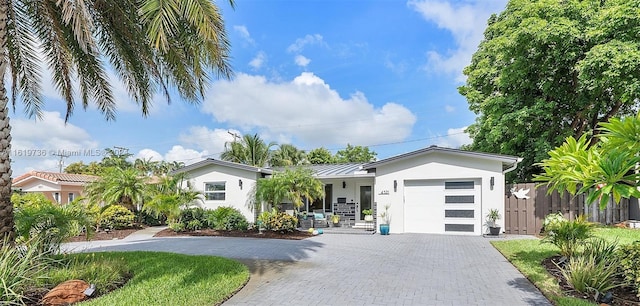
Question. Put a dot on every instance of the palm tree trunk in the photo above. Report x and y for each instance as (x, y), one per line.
(6, 208)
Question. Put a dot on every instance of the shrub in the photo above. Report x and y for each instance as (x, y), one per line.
(194, 225)
(599, 249)
(20, 267)
(265, 219)
(116, 217)
(176, 227)
(552, 220)
(191, 214)
(588, 276)
(150, 219)
(282, 222)
(629, 256)
(567, 235)
(227, 218)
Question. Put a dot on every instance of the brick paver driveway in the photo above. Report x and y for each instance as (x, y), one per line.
(339, 269)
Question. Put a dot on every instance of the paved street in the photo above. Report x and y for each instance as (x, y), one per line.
(341, 269)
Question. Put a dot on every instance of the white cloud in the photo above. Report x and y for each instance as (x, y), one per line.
(302, 61)
(34, 143)
(300, 43)
(244, 33)
(398, 68)
(456, 137)
(258, 60)
(211, 141)
(466, 21)
(449, 108)
(181, 154)
(146, 154)
(306, 109)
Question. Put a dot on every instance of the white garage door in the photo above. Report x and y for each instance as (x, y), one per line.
(437, 206)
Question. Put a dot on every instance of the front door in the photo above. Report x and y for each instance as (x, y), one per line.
(365, 200)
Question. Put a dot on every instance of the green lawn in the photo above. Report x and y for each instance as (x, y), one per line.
(527, 255)
(173, 279)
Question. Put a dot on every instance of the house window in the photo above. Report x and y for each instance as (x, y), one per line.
(459, 199)
(71, 197)
(56, 197)
(458, 185)
(215, 191)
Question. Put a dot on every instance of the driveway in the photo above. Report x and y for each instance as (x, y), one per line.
(342, 269)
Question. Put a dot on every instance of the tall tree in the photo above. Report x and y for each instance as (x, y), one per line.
(119, 186)
(287, 155)
(320, 156)
(355, 154)
(549, 69)
(250, 150)
(151, 45)
(294, 185)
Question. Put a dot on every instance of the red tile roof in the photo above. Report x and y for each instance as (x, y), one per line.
(57, 177)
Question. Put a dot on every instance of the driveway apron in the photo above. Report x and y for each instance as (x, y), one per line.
(341, 269)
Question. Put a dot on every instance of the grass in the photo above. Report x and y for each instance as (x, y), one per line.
(527, 256)
(171, 279)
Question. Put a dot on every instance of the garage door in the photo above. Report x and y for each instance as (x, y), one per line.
(438, 206)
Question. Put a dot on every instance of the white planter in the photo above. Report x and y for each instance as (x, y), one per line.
(368, 218)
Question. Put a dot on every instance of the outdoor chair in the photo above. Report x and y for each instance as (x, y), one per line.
(319, 218)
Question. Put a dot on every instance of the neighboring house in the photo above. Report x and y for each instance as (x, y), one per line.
(60, 188)
(432, 190)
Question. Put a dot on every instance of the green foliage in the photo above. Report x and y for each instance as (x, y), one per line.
(629, 256)
(116, 217)
(107, 273)
(550, 69)
(168, 198)
(552, 220)
(194, 225)
(250, 150)
(150, 219)
(124, 186)
(291, 184)
(228, 218)
(568, 235)
(193, 213)
(177, 227)
(93, 168)
(287, 155)
(20, 268)
(588, 276)
(602, 171)
(35, 216)
(492, 216)
(320, 156)
(367, 212)
(355, 154)
(278, 221)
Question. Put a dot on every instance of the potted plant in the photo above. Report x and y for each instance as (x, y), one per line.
(368, 215)
(335, 220)
(492, 216)
(385, 219)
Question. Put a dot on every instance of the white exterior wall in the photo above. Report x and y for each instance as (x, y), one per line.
(234, 195)
(438, 166)
(40, 186)
(352, 189)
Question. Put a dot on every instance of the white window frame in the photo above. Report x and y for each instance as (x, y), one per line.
(214, 191)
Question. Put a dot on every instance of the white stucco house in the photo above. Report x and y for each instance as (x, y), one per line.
(431, 190)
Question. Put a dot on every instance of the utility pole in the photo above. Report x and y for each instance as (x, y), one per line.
(235, 135)
(61, 162)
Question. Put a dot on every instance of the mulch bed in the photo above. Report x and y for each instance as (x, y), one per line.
(101, 235)
(295, 235)
(624, 296)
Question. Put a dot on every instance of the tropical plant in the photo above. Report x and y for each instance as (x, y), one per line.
(282, 222)
(355, 154)
(250, 150)
(335, 218)
(551, 220)
(287, 155)
(227, 218)
(568, 235)
(37, 217)
(168, 198)
(19, 269)
(320, 156)
(588, 276)
(151, 45)
(602, 171)
(367, 212)
(116, 217)
(492, 216)
(385, 215)
(291, 184)
(125, 187)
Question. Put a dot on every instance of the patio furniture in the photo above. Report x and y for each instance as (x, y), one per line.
(320, 219)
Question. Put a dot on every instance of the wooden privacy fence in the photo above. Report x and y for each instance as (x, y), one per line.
(525, 216)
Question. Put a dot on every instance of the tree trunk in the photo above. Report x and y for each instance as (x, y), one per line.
(6, 208)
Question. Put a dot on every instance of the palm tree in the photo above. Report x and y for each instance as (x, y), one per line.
(292, 184)
(119, 186)
(145, 166)
(168, 198)
(152, 45)
(288, 155)
(250, 150)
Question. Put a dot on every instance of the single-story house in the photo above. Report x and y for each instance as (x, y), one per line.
(431, 190)
(60, 188)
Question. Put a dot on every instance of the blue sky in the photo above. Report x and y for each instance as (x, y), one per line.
(311, 73)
